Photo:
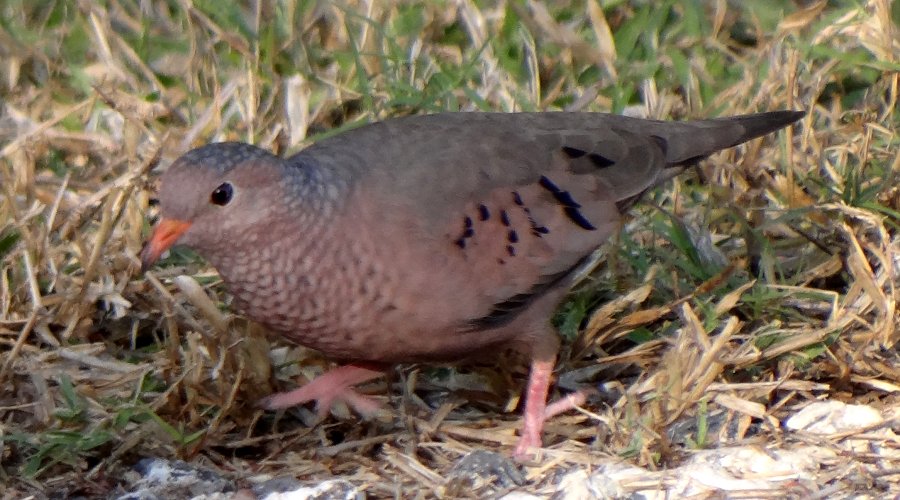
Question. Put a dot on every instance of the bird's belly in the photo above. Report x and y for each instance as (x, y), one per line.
(353, 329)
(351, 302)
(386, 343)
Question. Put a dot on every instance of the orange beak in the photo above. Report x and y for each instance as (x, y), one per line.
(165, 235)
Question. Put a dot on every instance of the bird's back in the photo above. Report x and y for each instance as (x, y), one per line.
(465, 220)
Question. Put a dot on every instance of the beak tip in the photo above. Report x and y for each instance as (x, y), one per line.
(164, 236)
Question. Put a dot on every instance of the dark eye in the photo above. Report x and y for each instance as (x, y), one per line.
(222, 194)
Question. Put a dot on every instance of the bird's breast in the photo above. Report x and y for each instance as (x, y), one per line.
(329, 293)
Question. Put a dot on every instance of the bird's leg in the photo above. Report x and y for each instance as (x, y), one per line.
(537, 411)
(535, 407)
(333, 385)
(543, 359)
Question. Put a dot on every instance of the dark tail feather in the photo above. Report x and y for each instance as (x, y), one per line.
(697, 140)
(760, 124)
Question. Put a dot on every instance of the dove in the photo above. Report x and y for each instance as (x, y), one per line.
(426, 238)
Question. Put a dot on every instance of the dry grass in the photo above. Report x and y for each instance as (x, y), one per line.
(766, 280)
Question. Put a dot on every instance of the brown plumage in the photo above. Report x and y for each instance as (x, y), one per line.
(426, 238)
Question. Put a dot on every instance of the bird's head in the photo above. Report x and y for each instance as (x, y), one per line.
(214, 196)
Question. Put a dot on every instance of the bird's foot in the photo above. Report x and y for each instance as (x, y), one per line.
(326, 389)
(568, 402)
(534, 424)
(537, 411)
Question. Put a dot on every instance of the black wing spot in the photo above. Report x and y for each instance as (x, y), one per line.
(600, 161)
(565, 199)
(570, 206)
(579, 219)
(483, 212)
(573, 152)
(468, 232)
(517, 199)
(504, 218)
(511, 250)
(535, 228)
(512, 236)
(547, 184)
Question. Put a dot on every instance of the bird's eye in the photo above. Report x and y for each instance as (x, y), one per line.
(222, 194)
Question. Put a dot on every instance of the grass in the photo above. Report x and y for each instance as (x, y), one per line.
(772, 262)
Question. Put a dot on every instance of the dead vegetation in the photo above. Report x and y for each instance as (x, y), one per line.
(733, 298)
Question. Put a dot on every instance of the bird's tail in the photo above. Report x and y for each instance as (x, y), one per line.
(695, 140)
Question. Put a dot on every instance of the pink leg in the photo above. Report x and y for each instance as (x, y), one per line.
(535, 407)
(333, 385)
(537, 411)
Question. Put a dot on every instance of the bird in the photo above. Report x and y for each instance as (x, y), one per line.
(425, 238)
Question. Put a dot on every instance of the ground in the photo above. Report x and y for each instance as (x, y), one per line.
(735, 302)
